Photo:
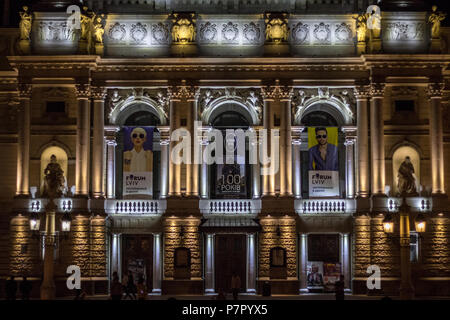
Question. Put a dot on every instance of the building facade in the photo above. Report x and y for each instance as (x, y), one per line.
(300, 67)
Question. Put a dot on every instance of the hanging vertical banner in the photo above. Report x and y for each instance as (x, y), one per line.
(138, 161)
(323, 162)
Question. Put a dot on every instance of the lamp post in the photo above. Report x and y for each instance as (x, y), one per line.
(48, 285)
(406, 287)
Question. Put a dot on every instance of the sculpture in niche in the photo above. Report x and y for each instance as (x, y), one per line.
(406, 178)
(160, 33)
(361, 27)
(183, 29)
(230, 32)
(99, 29)
(435, 19)
(300, 33)
(252, 32)
(322, 32)
(138, 32)
(343, 32)
(276, 27)
(54, 179)
(25, 24)
(208, 32)
(117, 32)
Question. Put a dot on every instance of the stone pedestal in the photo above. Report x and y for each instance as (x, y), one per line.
(435, 46)
(183, 50)
(82, 46)
(24, 46)
(360, 48)
(276, 49)
(99, 49)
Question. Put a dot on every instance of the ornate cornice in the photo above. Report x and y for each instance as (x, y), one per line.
(82, 90)
(183, 92)
(277, 92)
(377, 89)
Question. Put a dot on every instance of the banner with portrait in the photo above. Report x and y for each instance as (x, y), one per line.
(323, 162)
(138, 162)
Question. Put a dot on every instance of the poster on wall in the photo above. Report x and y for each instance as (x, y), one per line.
(314, 274)
(231, 181)
(331, 274)
(138, 162)
(323, 162)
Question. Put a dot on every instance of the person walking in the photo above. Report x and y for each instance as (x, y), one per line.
(339, 288)
(131, 286)
(25, 288)
(116, 287)
(235, 285)
(141, 289)
(11, 289)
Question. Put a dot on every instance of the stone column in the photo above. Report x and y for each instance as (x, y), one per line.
(209, 263)
(377, 139)
(251, 263)
(350, 139)
(115, 254)
(346, 245)
(83, 140)
(204, 177)
(174, 169)
(23, 140)
(256, 169)
(436, 138)
(157, 261)
(362, 149)
(164, 172)
(286, 94)
(192, 168)
(110, 136)
(303, 261)
(406, 287)
(297, 172)
(98, 95)
(268, 95)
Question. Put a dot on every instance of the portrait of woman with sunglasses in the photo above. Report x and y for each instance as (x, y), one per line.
(138, 159)
(323, 155)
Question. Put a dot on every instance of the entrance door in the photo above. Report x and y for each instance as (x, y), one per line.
(138, 257)
(230, 257)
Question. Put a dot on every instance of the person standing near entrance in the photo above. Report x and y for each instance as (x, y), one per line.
(339, 288)
(235, 285)
(116, 287)
(25, 288)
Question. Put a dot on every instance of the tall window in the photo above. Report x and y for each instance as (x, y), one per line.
(414, 246)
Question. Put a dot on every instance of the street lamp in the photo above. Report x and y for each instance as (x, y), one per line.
(420, 223)
(66, 220)
(388, 223)
(35, 222)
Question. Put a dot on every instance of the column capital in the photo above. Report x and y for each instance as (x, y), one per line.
(362, 92)
(110, 134)
(25, 90)
(183, 92)
(296, 132)
(277, 92)
(164, 132)
(82, 91)
(435, 89)
(377, 90)
(98, 93)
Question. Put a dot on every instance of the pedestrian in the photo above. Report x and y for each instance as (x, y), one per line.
(125, 286)
(131, 286)
(25, 288)
(11, 289)
(116, 287)
(339, 288)
(141, 289)
(235, 285)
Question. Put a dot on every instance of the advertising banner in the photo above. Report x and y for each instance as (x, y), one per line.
(231, 181)
(138, 161)
(323, 162)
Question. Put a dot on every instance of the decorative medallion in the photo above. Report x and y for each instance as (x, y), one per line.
(230, 32)
(208, 32)
(183, 27)
(117, 32)
(276, 27)
(343, 32)
(322, 32)
(300, 33)
(138, 32)
(252, 32)
(160, 33)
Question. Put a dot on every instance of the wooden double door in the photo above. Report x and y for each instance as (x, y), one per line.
(230, 257)
(137, 257)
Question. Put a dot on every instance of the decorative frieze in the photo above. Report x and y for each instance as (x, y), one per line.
(82, 90)
(436, 89)
(377, 89)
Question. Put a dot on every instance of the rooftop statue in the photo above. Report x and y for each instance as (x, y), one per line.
(53, 180)
(435, 19)
(25, 24)
(99, 29)
(361, 27)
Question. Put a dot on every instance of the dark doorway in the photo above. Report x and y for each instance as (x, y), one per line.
(229, 258)
(138, 257)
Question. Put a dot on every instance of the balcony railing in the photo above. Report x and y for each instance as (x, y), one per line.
(415, 203)
(325, 206)
(135, 207)
(230, 207)
(38, 204)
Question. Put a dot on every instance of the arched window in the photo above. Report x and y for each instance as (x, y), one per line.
(61, 159)
(230, 180)
(141, 118)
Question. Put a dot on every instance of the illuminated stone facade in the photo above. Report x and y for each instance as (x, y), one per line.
(74, 94)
